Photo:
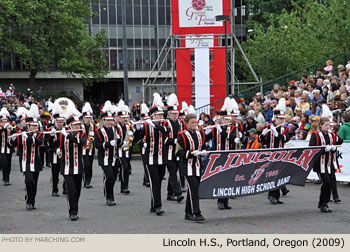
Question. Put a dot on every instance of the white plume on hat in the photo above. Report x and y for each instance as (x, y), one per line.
(281, 106)
(26, 104)
(184, 107)
(326, 112)
(172, 101)
(72, 111)
(191, 110)
(157, 100)
(226, 102)
(49, 106)
(107, 107)
(235, 108)
(87, 108)
(33, 111)
(121, 106)
(114, 109)
(144, 109)
(4, 112)
(22, 111)
(126, 108)
(57, 109)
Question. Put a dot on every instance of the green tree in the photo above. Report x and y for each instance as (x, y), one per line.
(310, 32)
(52, 34)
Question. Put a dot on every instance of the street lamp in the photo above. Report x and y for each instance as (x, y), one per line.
(225, 18)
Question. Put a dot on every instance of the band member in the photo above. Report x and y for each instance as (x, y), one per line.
(153, 134)
(28, 143)
(143, 144)
(182, 116)
(189, 141)
(106, 142)
(224, 137)
(70, 144)
(89, 152)
(43, 149)
(275, 136)
(172, 161)
(54, 152)
(5, 152)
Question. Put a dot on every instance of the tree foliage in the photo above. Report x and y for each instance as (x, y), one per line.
(50, 34)
(310, 32)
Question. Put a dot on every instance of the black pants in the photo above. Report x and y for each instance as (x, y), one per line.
(110, 176)
(192, 199)
(31, 182)
(124, 173)
(328, 181)
(88, 161)
(44, 152)
(73, 184)
(5, 166)
(173, 183)
(156, 174)
(55, 172)
(145, 173)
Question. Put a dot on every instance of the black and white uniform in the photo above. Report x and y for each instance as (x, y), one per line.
(43, 149)
(143, 145)
(172, 161)
(187, 142)
(5, 154)
(325, 166)
(55, 160)
(124, 157)
(271, 142)
(71, 166)
(154, 157)
(29, 162)
(88, 155)
(107, 157)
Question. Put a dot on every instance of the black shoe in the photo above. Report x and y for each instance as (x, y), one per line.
(159, 211)
(30, 207)
(6, 183)
(325, 209)
(183, 189)
(228, 207)
(273, 200)
(48, 166)
(64, 193)
(284, 193)
(88, 186)
(180, 198)
(73, 217)
(330, 200)
(152, 210)
(221, 206)
(171, 198)
(110, 203)
(55, 194)
(337, 200)
(146, 184)
(189, 217)
(198, 217)
(279, 202)
(125, 191)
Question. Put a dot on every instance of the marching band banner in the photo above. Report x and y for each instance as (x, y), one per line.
(249, 172)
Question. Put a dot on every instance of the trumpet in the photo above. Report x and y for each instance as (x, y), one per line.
(213, 126)
(145, 121)
(21, 133)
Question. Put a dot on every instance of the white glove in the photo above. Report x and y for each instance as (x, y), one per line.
(207, 131)
(333, 148)
(240, 134)
(237, 140)
(125, 143)
(138, 126)
(150, 123)
(145, 145)
(112, 143)
(201, 153)
(92, 133)
(175, 141)
(52, 132)
(58, 151)
(265, 131)
(130, 133)
(64, 132)
(328, 148)
(200, 123)
(218, 127)
(117, 136)
(274, 131)
(13, 138)
(6, 125)
(25, 135)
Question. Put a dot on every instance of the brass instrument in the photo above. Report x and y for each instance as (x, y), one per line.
(13, 125)
(90, 138)
(97, 122)
(128, 138)
(60, 155)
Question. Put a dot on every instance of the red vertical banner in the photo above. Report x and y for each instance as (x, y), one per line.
(218, 75)
(184, 75)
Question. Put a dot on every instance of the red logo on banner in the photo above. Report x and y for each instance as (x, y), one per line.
(257, 173)
(198, 4)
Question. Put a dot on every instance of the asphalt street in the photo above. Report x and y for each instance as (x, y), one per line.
(249, 215)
